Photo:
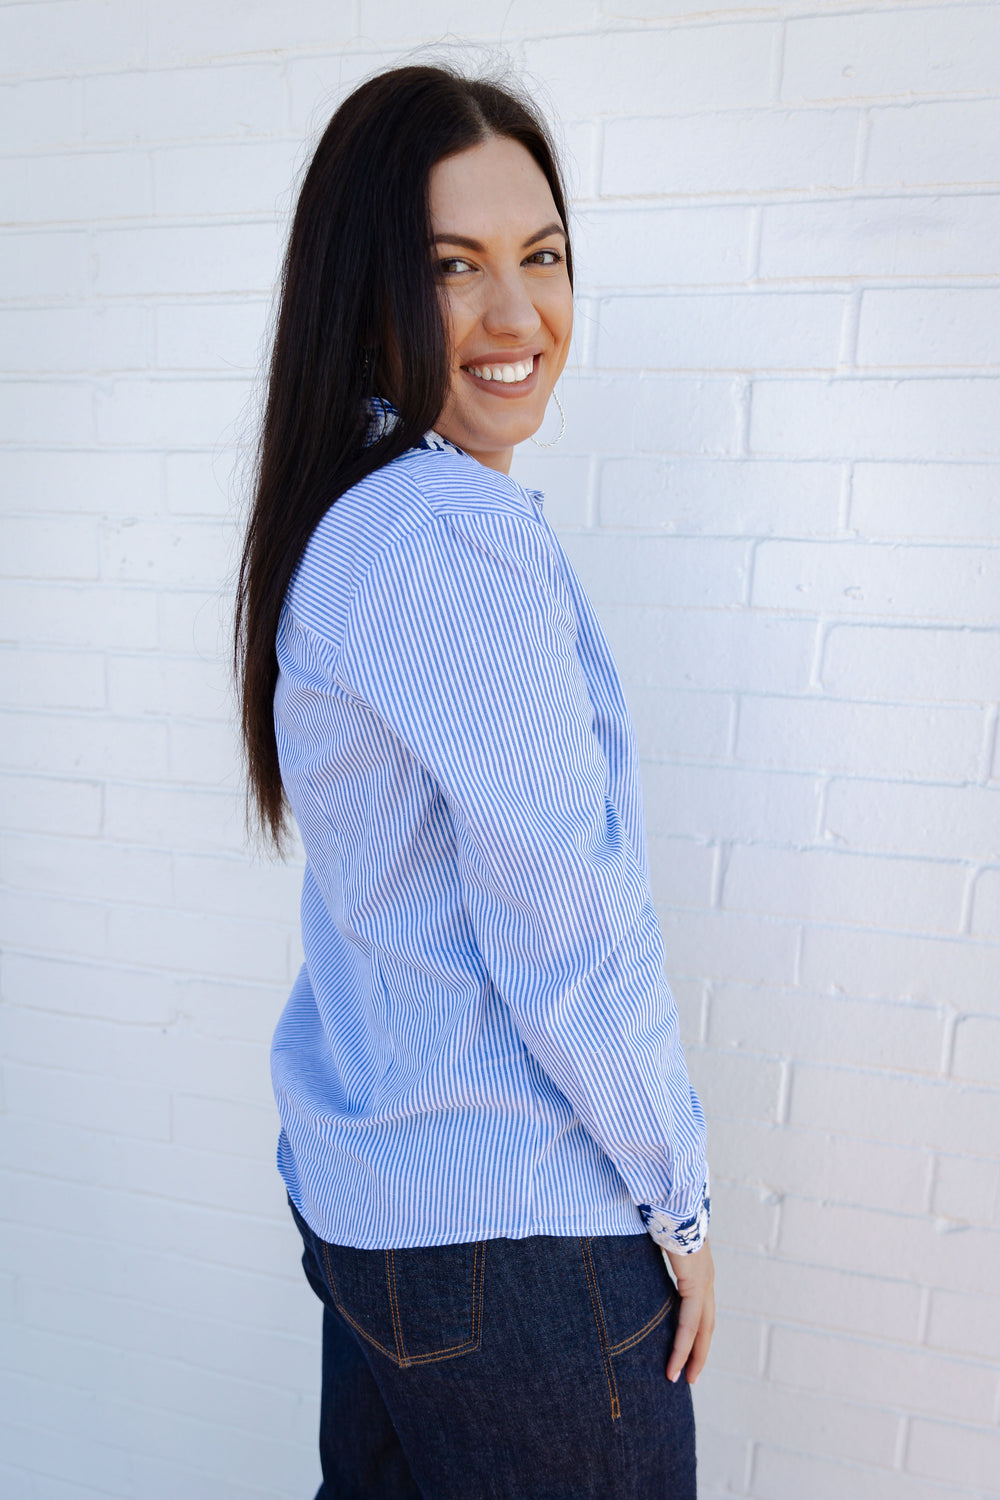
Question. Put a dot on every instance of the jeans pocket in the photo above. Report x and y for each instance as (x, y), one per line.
(631, 1289)
(415, 1306)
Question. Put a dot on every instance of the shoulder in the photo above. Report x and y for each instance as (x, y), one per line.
(452, 483)
(466, 520)
(420, 505)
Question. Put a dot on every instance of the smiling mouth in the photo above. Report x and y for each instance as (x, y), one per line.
(513, 374)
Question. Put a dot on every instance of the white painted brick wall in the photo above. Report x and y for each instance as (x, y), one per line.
(780, 484)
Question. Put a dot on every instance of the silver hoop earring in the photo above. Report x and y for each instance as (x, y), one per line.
(562, 425)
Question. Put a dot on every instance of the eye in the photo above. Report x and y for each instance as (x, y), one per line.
(546, 258)
(453, 265)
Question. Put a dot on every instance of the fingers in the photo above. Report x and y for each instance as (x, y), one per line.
(695, 1277)
(688, 1325)
(702, 1342)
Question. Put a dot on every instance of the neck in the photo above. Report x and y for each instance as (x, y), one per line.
(499, 460)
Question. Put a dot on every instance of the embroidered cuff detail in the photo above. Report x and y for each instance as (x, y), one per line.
(682, 1238)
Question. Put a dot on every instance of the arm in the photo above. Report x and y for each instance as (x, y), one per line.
(462, 638)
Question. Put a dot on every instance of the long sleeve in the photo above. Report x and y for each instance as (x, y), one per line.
(461, 637)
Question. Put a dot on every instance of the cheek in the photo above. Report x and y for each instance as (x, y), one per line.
(460, 320)
(559, 313)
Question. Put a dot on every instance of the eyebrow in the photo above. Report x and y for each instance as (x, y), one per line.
(463, 239)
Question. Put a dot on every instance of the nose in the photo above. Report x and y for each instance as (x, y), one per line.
(509, 310)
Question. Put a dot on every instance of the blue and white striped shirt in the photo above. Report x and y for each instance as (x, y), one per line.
(480, 1042)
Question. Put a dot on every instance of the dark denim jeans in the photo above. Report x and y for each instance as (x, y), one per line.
(502, 1370)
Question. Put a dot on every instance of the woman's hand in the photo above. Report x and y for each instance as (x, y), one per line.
(695, 1277)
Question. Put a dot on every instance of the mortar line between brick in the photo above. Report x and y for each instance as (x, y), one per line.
(755, 234)
(744, 402)
(968, 901)
(784, 1092)
(929, 1189)
(778, 63)
(764, 1350)
(949, 1030)
(861, 147)
(850, 323)
(800, 939)
(723, 854)
(814, 681)
(902, 1436)
(991, 746)
(749, 1464)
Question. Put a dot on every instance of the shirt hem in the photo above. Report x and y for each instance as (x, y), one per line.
(586, 1226)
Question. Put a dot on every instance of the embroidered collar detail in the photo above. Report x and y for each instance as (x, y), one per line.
(382, 418)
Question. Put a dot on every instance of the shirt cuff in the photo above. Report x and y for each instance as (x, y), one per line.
(679, 1236)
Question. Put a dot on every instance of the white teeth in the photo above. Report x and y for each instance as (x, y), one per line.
(508, 374)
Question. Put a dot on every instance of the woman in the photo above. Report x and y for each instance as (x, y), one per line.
(483, 1099)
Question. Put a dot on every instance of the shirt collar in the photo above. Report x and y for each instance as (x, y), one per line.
(382, 418)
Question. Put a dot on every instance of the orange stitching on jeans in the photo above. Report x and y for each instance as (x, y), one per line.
(453, 1351)
(390, 1272)
(404, 1360)
(389, 1353)
(637, 1338)
(478, 1272)
(595, 1299)
(343, 1310)
(477, 1293)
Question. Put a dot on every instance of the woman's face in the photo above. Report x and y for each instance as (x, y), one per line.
(501, 254)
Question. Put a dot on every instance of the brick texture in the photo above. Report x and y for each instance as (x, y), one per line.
(779, 483)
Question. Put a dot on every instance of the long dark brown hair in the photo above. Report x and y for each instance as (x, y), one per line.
(358, 315)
